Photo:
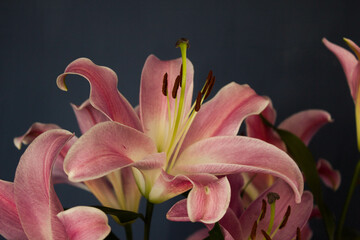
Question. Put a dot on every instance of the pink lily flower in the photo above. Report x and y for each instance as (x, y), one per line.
(351, 67)
(174, 146)
(304, 125)
(263, 219)
(109, 190)
(29, 207)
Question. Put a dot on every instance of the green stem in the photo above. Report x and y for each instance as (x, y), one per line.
(348, 199)
(149, 211)
(128, 231)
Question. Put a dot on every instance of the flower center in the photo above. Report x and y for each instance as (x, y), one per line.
(270, 233)
(179, 121)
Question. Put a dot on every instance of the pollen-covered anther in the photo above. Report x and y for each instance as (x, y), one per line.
(298, 234)
(165, 85)
(210, 87)
(176, 87)
(266, 236)
(207, 81)
(198, 102)
(253, 231)
(263, 210)
(272, 197)
(286, 217)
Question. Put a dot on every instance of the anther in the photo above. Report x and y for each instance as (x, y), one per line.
(176, 87)
(210, 86)
(298, 234)
(266, 236)
(165, 84)
(182, 40)
(198, 102)
(253, 231)
(286, 217)
(263, 210)
(272, 197)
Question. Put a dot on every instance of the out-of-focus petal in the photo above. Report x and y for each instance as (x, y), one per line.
(33, 132)
(10, 226)
(348, 63)
(35, 197)
(328, 175)
(298, 217)
(256, 128)
(199, 235)
(153, 104)
(223, 114)
(87, 116)
(228, 155)
(106, 147)
(236, 183)
(85, 223)
(306, 123)
(104, 95)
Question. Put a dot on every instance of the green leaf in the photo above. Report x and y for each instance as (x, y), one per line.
(123, 216)
(304, 159)
(215, 233)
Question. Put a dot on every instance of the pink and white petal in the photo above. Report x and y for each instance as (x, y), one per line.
(199, 235)
(328, 175)
(306, 123)
(33, 132)
(104, 148)
(35, 197)
(234, 154)
(10, 225)
(153, 104)
(178, 212)
(236, 183)
(306, 232)
(348, 63)
(299, 214)
(102, 189)
(209, 198)
(85, 223)
(231, 226)
(223, 114)
(87, 116)
(104, 94)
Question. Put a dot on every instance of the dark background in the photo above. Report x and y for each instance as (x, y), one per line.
(274, 46)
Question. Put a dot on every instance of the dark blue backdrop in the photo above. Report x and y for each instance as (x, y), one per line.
(274, 46)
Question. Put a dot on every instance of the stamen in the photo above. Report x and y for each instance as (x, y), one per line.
(176, 87)
(266, 236)
(263, 210)
(298, 234)
(182, 41)
(286, 217)
(181, 71)
(210, 86)
(165, 84)
(198, 102)
(272, 197)
(253, 231)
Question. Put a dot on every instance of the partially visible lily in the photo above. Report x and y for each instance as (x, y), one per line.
(273, 215)
(117, 190)
(351, 67)
(304, 125)
(29, 207)
(176, 146)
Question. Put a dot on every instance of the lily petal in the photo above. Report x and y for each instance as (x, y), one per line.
(10, 226)
(87, 116)
(328, 175)
(153, 104)
(35, 197)
(33, 132)
(298, 217)
(106, 147)
(227, 155)
(85, 223)
(104, 95)
(348, 63)
(207, 201)
(223, 114)
(305, 124)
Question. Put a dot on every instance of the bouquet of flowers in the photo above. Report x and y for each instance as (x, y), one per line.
(239, 187)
